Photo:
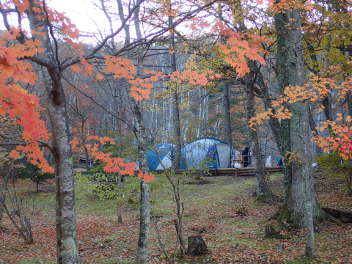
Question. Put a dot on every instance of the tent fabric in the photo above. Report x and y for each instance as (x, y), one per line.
(160, 157)
(224, 155)
(206, 153)
(199, 154)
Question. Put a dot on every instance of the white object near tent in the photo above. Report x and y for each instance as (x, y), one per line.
(236, 162)
(268, 162)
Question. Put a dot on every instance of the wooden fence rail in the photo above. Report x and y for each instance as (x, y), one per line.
(233, 172)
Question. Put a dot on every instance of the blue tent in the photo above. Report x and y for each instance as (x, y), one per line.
(206, 153)
(160, 157)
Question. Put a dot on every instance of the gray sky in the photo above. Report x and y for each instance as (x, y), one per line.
(83, 13)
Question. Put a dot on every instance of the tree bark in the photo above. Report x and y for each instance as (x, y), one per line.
(119, 209)
(144, 224)
(3, 187)
(349, 103)
(143, 142)
(291, 72)
(226, 86)
(263, 189)
(301, 207)
(175, 100)
(126, 28)
(65, 195)
(175, 183)
(250, 81)
(2, 201)
(67, 250)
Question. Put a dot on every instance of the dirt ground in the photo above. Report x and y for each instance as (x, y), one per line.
(223, 211)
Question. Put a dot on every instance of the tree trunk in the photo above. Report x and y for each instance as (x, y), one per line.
(143, 142)
(86, 153)
(65, 196)
(250, 81)
(67, 250)
(175, 101)
(301, 202)
(37, 186)
(291, 72)
(263, 189)
(175, 184)
(144, 206)
(2, 201)
(122, 18)
(226, 85)
(119, 209)
(349, 103)
(301, 207)
(313, 128)
(309, 221)
(144, 223)
(119, 215)
(327, 108)
(3, 188)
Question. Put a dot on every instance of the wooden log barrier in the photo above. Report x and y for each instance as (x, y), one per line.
(233, 172)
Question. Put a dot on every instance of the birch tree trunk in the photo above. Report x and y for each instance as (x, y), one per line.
(144, 206)
(144, 223)
(67, 250)
(65, 196)
(143, 142)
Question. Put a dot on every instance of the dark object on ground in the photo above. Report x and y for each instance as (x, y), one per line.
(270, 232)
(241, 211)
(199, 182)
(344, 217)
(196, 246)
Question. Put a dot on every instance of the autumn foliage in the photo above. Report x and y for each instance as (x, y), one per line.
(93, 145)
(313, 92)
(16, 103)
(340, 138)
(239, 48)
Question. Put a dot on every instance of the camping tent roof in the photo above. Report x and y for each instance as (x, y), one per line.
(155, 155)
(195, 153)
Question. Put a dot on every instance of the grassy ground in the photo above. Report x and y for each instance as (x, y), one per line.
(230, 219)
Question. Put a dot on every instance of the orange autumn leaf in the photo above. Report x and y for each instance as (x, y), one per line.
(111, 164)
(17, 103)
(241, 47)
(14, 154)
(99, 77)
(123, 68)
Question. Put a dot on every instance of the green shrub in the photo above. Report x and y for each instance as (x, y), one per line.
(105, 186)
(336, 167)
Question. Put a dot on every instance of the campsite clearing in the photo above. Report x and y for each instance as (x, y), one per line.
(230, 219)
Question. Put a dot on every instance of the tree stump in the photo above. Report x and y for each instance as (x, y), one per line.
(270, 232)
(196, 246)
